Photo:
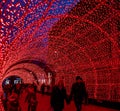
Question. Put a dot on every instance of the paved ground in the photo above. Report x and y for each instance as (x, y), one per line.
(44, 105)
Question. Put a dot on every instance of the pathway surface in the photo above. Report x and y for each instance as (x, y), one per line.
(44, 105)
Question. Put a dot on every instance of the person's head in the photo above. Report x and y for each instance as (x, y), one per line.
(79, 79)
(30, 88)
(18, 85)
(60, 84)
(13, 92)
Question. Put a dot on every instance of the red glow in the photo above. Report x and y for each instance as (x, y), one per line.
(84, 42)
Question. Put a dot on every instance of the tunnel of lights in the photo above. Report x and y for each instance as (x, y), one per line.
(63, 38)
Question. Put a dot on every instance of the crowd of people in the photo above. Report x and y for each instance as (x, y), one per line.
(11, 95)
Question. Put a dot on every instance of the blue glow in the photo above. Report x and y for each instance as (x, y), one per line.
(58, 7)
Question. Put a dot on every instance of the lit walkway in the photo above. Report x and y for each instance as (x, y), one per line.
(44, 105)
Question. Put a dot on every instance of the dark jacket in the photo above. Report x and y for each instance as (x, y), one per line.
(78, 92)
(57, 97)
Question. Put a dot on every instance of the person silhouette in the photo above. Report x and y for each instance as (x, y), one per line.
(13, 102)
(58, 96)
(31, 99)
(78, 93)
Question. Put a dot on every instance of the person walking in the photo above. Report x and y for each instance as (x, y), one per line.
(31, 99)
(13, 102)
(78, 93)
(43, 88)
(58, 96)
